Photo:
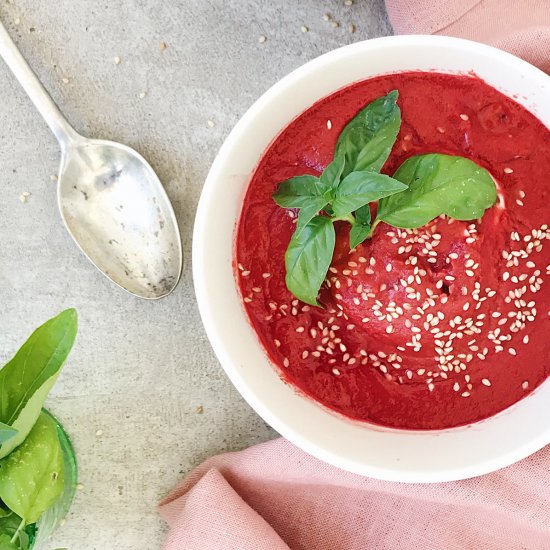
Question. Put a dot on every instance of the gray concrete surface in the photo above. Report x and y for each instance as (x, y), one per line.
(140, 370)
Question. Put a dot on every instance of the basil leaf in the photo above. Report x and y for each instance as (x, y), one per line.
(27, 379)
(359, 188)
(6, 432)
(367, 140)
(361, 228)
(308, 258)
(7, 544)
(297, 192)
(51, 518)
(309, 211)
(331, 175)
(32, 477)
(438, 184)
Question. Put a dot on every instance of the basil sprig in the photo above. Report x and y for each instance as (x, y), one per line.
(423, 188)
(32, 452)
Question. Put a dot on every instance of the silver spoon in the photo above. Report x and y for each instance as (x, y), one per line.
(111, 201)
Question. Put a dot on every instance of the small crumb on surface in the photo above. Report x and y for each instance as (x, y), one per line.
(79, 486)
(210, 123)
(163, 46)
(24, 197)
(348, 2)
(326, 17)
(17, 21)
(53, 178)
(335, 24)
(262, 39)
(199, 409)
(99, 432)
(351, 28)
(303, 28)
(65, 80)
(142, 95)
(117, 60)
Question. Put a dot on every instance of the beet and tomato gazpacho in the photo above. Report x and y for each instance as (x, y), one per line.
(425, 318)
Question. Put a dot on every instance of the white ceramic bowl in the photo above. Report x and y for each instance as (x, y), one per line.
(410, 456)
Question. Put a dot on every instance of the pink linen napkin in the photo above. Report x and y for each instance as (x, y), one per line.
(273, 496)
(521, 27)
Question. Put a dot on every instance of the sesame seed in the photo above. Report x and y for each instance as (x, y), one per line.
(519, 202)
(329, 125)
(336, 372)
(286, 362)
(512, 351)
(486, 382)
(508, 170)
(525, 385)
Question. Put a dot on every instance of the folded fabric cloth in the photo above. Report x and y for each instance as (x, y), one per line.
(273, 496)
(521, 27)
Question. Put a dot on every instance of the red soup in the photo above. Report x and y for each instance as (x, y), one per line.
(426, 328)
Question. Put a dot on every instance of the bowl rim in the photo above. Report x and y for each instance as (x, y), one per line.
(214, 321)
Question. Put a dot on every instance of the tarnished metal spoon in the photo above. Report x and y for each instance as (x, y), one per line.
(111, 201)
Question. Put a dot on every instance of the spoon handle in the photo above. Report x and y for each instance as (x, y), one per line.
(39, 96)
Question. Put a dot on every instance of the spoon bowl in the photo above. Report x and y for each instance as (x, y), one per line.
(118, 213)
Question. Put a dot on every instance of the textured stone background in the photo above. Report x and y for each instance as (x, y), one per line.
(139, 370)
